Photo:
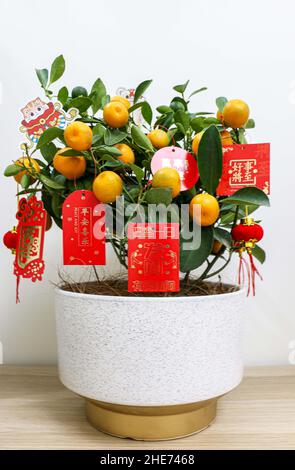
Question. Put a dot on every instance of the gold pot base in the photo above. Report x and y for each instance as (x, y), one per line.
(151, 423)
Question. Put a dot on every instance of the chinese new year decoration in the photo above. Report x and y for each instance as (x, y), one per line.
(95, 161)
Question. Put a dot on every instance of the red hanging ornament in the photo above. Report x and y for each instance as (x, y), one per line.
(10, 240)
(245, 235)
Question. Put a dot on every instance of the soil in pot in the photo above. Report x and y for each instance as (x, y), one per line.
(117, 286)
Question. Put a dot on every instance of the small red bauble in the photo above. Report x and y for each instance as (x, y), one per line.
(10, 240)
(244, 232)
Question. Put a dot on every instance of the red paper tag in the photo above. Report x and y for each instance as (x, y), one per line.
(153, 257)
(183, 161)
(83, 223)
(245, 165)
(30, 239)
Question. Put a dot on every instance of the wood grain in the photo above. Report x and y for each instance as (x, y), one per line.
(38, 412)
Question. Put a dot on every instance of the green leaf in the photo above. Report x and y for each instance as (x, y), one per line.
(105, 149)
(181, 117)
(135, 106)
(25, 181)
(178, 103)
(112, 137)
(56, 204)
(42, 75)
(198, 91)
(12, 170)
(164, 121)
(211, 120)
(142, 87)
(181, 88)
(192, 259)
(164, 109)
(99, 92)
(57, 69)
(159, 196)
(198, 124)
(63, 95)
(141, 139)
(210, 159)
(98, 129)
(82, 103)
(71, 153)
(228, 212)
(250, 124)
(48, 152)
(105, 100)
(147, 112)
(49, 135)
(220, 103)
(259, 254)
(248, 195)
(50, 182)
(139, 173)
(222, 236)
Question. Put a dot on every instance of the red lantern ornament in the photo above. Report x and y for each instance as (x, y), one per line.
(245, 235)
(10, 240)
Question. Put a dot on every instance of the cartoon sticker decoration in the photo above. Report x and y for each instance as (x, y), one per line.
(39, 116)
(128, 93)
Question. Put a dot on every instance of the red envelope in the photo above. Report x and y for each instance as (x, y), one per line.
(153, 257)
(245, 165)
(83, 223)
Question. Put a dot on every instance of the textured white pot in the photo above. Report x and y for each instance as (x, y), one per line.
(127, 354)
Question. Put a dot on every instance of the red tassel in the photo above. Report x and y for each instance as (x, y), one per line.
(241, 278)
(254, 271)
(17, 299)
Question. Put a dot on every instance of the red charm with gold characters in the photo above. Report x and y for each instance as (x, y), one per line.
(245, 165)
(153, 257)
(83, 223)
(29, 262)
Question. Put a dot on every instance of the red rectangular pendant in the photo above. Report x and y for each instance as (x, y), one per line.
(83, 223)
(29, 261)
(153, 257)
(245, 165)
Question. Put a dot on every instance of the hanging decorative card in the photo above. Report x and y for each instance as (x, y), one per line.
(83, 223)
(39, 116)
(29, 262)
(153, 257)
(129, 93)
(178, 158)
(245, 165)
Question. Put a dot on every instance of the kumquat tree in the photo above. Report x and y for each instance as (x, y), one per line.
(118, 146)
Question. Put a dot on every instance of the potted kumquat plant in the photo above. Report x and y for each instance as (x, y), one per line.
(173, 192)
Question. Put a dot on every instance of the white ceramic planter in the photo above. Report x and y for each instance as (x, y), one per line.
(144, 357)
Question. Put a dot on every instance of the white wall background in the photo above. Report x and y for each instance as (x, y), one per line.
(238, 49)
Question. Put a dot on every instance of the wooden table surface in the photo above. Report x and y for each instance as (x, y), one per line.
(38, 412)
